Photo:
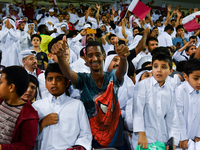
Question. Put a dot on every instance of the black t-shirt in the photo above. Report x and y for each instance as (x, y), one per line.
(41, 59)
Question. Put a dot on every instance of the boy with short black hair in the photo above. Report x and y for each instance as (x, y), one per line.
(72, 129)
(42, 59)
(18, 119)
(155, 115)
(188, 102)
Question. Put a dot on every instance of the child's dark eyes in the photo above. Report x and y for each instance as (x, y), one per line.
(49, 79)
(195, 79)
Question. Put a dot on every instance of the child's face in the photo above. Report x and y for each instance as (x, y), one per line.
(94, 58)
(194, 79)
(56, 83)
(36, 42)
(30, 92)
(4, 87)
(160, 71)
(191, 50)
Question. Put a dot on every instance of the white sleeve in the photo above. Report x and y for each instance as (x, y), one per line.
(169, 41)
(85, 136)
(178, 57)
(138, 107)
(172, 121)
(128, 120)
(42, 88)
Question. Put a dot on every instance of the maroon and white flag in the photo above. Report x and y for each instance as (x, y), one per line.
(139, 9)
(190, 23)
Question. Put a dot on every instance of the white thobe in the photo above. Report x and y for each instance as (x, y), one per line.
(53, 20)
(93, 21)
(180, 56)
(165, 40)
(25, 40)
(155, 112)
(73, 127)
(73, 17)
(188, 103)
(10, 47)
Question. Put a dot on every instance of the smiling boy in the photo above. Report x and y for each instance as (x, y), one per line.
(155, 115)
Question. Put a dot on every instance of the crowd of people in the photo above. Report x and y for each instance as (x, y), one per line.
(98, 77)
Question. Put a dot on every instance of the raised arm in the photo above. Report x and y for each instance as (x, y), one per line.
(97, 15)
(103, 38)
(197, 54)
(123, 28)
(168, 15)
(142, 43)
(178, 19)
(58, 50)
(87, 14)
(35, 4)
(123, 53)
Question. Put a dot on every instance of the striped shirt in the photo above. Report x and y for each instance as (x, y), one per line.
(8, 119)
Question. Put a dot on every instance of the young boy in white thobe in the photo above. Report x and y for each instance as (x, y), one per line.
(63, 120)
(188, 103)
(155, 115)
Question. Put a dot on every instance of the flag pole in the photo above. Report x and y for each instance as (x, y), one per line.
(126, 13)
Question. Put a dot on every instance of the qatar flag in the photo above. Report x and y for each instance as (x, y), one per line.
(53, 1)
(190, 23)
(139, 9)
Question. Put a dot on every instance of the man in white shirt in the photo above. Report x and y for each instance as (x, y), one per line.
(164, 39)
(25, 38)
(9, 38)
(29, 61)
(51, 20)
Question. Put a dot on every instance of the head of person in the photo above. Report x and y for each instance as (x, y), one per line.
(151, 43)
(143, 73)
(158, 23)
(31, 92)
(35, 22)
(43, 29)
(161, 67)
(63, 27)
(71, 6)
(29, 59)
(36, 40)
(67, 17)
(60, 17)
(51, 12)
(173, 22)
(190, 50)
(43, 10)
(20, 25)
(60, 40)
(55, 81)
(147, 20)
(169, 29)
(136, 30)
(94, 56)
(74, 11)
(104, 19)
(194, 39)
(103, 27)
(162, 50)
(14, 81)
(155, 32)
(192, 71)
(179, 30)
(111, 38)
(89, 38)
(112, 62)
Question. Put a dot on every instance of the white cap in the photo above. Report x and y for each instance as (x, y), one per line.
(51, 10)
(26, 53)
